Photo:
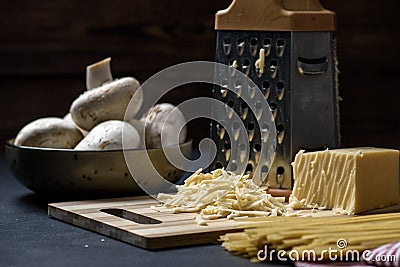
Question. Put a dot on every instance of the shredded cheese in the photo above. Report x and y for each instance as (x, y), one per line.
(223, 194)
(234, 64)
(260, 62)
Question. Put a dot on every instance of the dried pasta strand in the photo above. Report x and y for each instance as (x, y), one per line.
(313, 233)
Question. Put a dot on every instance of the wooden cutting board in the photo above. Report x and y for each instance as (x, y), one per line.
(132, 220)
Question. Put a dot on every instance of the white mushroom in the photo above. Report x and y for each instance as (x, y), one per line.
(49, 133)
(108, 102)
(139, 126)
(69, 119)
(165, 119)
(108, 136)
(105, 99)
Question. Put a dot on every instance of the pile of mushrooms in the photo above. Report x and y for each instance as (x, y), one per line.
(96, 118)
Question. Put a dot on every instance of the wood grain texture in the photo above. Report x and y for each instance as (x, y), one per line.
(45, 46)
(275, 15)
(172, 230)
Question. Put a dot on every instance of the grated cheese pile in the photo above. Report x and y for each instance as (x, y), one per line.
(222, 194)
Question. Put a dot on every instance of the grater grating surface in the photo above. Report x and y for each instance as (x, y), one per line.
(241, 49)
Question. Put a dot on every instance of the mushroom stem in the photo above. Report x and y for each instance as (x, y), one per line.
(98, 73)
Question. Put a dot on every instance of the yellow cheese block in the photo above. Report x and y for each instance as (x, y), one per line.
(349, 181)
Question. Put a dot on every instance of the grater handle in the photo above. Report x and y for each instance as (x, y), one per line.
(275, 15)
(280, 193)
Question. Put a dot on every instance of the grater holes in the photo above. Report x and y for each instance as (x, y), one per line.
(252, 91)
(227, 155)
(233, 166)
(250, 126)
(242, 152)
(258, 105)
(249, 168)
(227, 150)
(259, 110)
(229, 108)
(267, 46)
(264, 132)
(227, 145)
(257, 153)
(244, 109)
(280, 89)
(280, 128)
(273, 107)
(224, 88)
(236, 130)
(253, 46)
(250, 130)
(220, 131)
(264, 170)
(227, 45)
(280, 42)
(267, 42)
(246, 66)
(279, 175)
(218, 165)
(238, 88)
(233, 66)
(280, 47)
(280, 85)
(273, 67)
(246, 63)
(266, 88)
(240, 46)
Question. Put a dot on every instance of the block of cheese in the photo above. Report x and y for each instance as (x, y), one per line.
(349, 181)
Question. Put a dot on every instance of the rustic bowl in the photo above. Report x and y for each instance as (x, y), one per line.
(68, 173)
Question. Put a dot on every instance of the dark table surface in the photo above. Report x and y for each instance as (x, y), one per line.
(28, 237)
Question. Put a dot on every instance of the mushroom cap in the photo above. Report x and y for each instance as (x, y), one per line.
(164, 120)
(68, 118)
(107, 102)
(108, 136)
(49, 133)
(139, 126)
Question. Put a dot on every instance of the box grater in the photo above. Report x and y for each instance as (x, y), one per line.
(299, 79)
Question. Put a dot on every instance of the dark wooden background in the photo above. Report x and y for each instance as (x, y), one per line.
(45, 46)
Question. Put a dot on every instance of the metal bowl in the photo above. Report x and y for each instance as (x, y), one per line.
(67, 173)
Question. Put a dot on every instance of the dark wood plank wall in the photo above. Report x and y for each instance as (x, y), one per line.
(45, 46)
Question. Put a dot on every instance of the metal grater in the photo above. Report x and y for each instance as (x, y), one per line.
(299, 80)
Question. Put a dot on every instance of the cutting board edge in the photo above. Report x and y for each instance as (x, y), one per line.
(149, 243)
(194, 240)
(73, 216)
(95, 226)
